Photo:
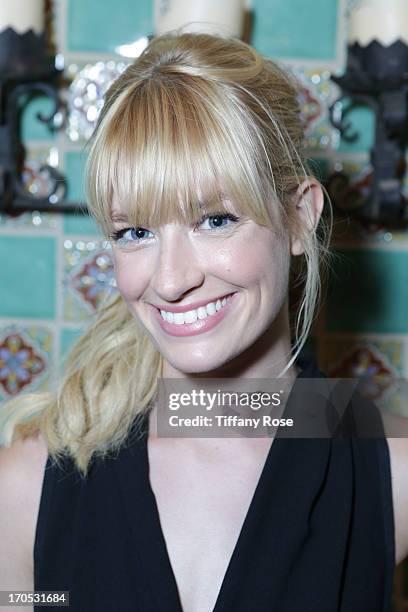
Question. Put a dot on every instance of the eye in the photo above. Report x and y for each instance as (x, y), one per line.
(218, 220)
(130, 235)
(136, 235)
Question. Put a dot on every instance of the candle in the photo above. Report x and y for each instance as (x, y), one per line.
(383, 20)
(218, 16)
(22, 15)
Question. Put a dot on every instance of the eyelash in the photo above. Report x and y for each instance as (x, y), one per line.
(118, 235)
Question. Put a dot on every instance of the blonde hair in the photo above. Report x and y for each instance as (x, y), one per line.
(194, 114)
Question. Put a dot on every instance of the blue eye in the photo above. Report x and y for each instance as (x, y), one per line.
(129, 235)
(137, 235)
(218, 219)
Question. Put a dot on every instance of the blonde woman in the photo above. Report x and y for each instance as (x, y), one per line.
(197, 175)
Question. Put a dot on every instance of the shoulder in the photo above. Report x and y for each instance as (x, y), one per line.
(22, 464)
(22, 467)
(396, 429)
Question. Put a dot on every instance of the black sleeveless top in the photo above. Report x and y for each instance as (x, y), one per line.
(318, 535)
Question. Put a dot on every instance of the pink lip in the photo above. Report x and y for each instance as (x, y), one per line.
(198, 327)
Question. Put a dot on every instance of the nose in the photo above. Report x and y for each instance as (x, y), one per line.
(178, 269)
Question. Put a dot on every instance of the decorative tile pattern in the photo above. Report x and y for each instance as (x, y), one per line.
(89, 278)
(378, 363)
(38, 184)
(95, 276)
(363, 362)
(19, 364)
(86, 94)
(25, 355)
(317, 93)
(35, 179)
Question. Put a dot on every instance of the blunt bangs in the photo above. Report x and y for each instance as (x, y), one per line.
(173, 146)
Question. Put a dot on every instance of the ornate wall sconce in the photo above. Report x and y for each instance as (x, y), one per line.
(27, 68)
(376, 76)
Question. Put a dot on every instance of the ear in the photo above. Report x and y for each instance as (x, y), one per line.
(309, 201)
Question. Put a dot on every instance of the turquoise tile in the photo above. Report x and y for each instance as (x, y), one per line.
(79, 224)
(362, 122)
(95, 26)
(305, 29)
(27, 282)
(369, 292)
(74, 171)
(68, 338)
(31, 127)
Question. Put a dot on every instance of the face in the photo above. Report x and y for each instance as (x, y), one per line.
(204, 293)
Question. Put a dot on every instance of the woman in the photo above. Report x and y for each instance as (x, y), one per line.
(197, 175)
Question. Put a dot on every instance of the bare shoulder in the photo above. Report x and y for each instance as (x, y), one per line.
(396, 429)
(22, 467)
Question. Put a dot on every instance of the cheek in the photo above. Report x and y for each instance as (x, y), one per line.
(263, 258)
(131, 276)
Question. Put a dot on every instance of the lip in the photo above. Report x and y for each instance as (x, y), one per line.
(192, 306)
(198, 327)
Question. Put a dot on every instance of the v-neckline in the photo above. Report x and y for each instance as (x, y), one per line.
(144, 518)
(218, 607)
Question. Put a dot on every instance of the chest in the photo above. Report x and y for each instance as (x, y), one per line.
(202, 503)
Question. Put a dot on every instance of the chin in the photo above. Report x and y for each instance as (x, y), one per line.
(191, 364)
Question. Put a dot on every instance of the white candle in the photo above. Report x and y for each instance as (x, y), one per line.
(383, 20)
(218, 16)
(22, 15)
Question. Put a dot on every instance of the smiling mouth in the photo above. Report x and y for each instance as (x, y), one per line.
(208, 309)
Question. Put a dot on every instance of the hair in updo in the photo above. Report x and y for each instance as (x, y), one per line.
(194, 114)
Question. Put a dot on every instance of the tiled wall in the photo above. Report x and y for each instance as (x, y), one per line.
(55, 270)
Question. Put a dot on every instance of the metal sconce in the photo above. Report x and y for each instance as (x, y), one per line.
(27, 68)
(376, 76)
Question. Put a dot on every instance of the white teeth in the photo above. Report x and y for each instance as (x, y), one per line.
(170, 317)
(179, 318)
(211, 308)
(202, 312)
(190, 316)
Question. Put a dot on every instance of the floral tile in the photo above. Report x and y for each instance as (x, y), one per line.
(89, 84)
(317, 94)
(38, 184)
(26, 358)
(88, 278)
(379, 363)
